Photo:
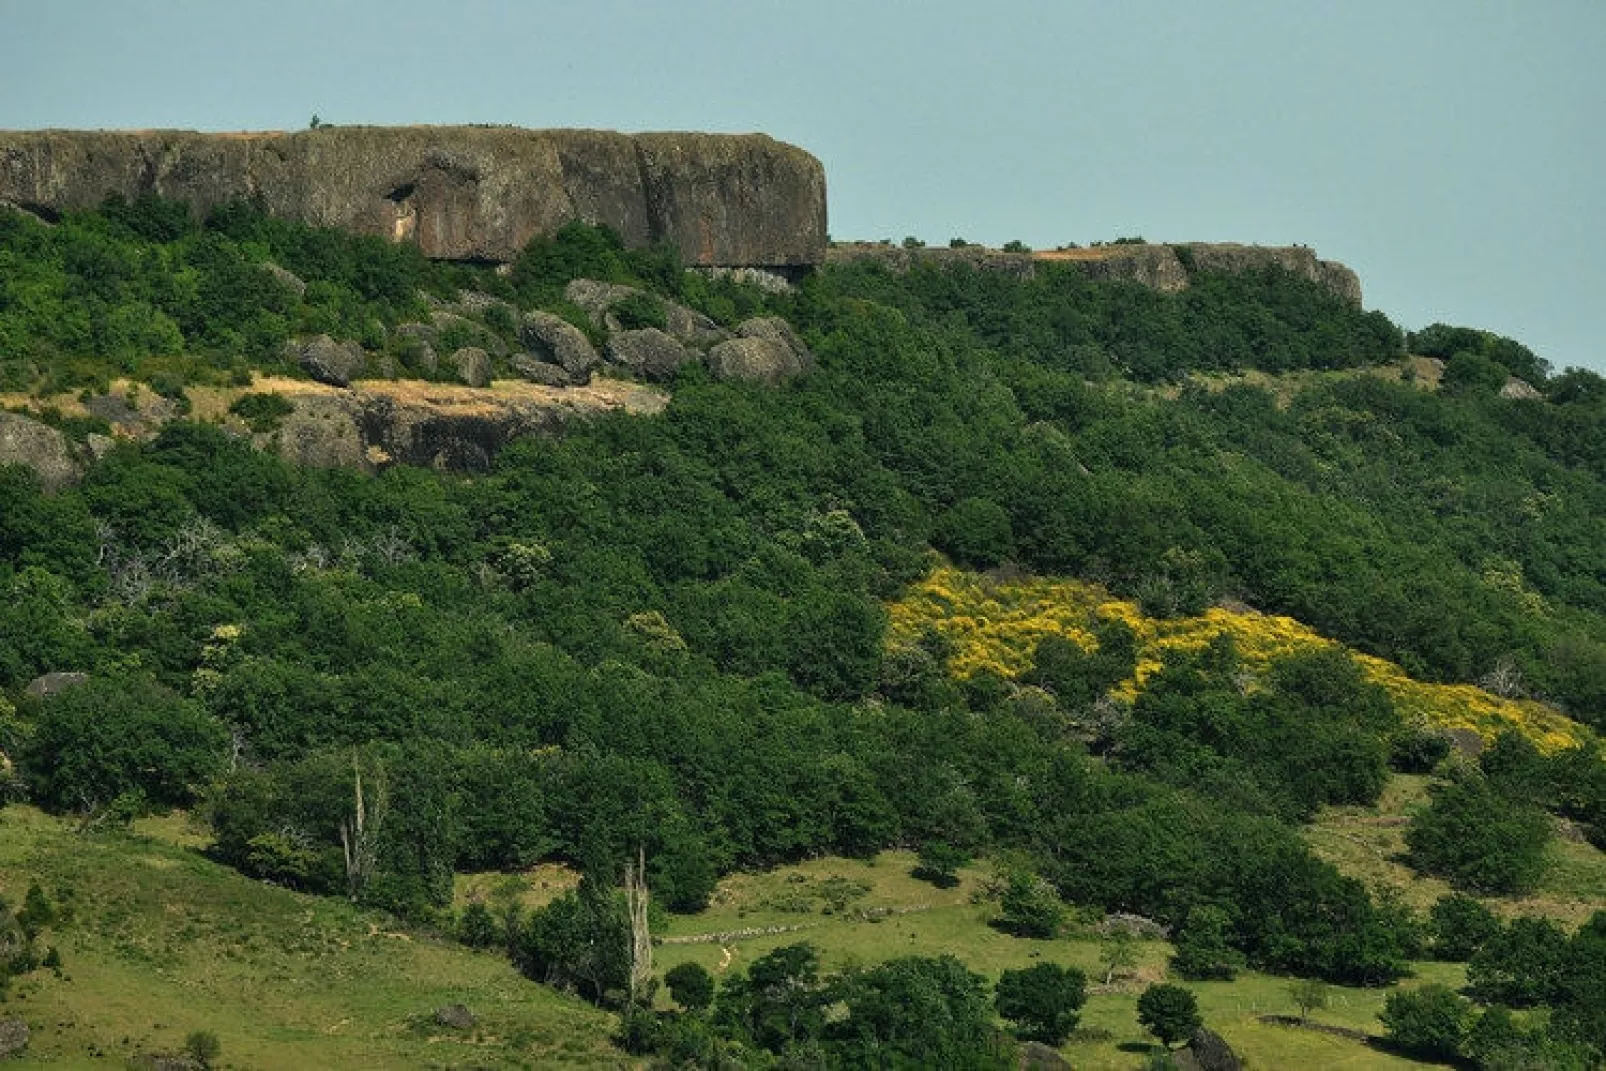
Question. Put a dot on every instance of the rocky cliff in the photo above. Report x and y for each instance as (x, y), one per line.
(1161, 267)
(461, 193)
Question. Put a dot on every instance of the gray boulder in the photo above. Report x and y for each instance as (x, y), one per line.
(328, 361)
(456, 1016)
(418, 348)
(1207, 1051)
(1519, 388)
(596, 299)
(775, 329)
(473, 366)
(48, 684)
(13, 1037)
(477, 301)
(556, 341)
(39, 447)
(423, 359)
(756, 360)
(288, 279)
(649, 353)
(548, 375)
(692, 327)
(1035, 1056)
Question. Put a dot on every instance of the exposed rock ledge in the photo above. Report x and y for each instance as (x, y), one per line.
(24, 441)
(375, 424)
(1160, 267)
(460, 192)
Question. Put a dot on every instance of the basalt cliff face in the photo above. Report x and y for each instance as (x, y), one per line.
(1160, 267)
(460, 193)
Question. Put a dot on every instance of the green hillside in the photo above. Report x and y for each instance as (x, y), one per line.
(677, 638)
(161, 943)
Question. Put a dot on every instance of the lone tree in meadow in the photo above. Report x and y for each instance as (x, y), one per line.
(1310, 994)
(939, 863)
(691, 985)
(1044, 1001)
(1170, 1013)
(1030, 907)
(1118, 953)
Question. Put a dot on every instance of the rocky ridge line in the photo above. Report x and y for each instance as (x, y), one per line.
(459, 192)
(1162, 267)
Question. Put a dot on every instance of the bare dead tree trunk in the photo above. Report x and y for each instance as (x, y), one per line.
(640, 936)
(359, 832)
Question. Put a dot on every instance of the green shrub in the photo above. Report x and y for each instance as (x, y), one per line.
(1427, 1023)
(1045, 1001)
(262, 411)
(691, 986)
(116, 735)
(476, 928)
(203, 1046)
(1170, 1013)
(1029, 906)
(975, 531)
(1461, 927)
(1479, 840)
(640, 310)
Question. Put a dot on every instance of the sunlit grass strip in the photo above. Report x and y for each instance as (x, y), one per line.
(996, 624)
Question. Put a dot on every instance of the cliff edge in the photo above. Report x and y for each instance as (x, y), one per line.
(459, 192)
(1160, 267)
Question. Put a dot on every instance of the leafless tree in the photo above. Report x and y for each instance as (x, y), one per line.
(636, 899)
(359, 831)
(1504, 680)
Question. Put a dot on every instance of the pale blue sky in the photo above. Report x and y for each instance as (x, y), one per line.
(1451, 151)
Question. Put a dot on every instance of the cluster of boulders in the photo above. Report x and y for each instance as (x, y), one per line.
(556, 353)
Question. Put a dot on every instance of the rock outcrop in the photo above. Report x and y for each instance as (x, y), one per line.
(1035, 1056)
(13, 1037)
(1520, 388)
(1160, 267)
(648, 352)
(459, 192)
(1207, 1051)
(765, 350)
(1298, 260)
(49, 684)
(556, 341)
(901, 259)
(39, 447)
(473, 366)
(603, 304)
(542, 372)
(443, 426)
(331, 362)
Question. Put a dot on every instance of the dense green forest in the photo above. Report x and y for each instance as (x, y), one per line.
(667, 634)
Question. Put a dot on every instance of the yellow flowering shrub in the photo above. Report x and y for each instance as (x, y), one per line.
(996, 625)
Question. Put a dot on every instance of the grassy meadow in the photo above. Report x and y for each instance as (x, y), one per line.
(162, 942)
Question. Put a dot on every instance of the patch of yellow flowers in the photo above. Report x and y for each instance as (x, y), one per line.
(995, 625)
